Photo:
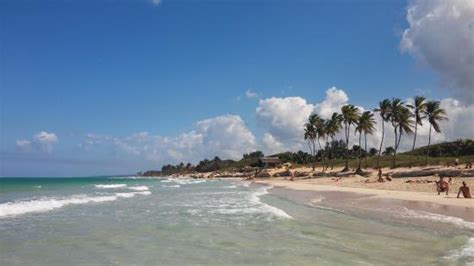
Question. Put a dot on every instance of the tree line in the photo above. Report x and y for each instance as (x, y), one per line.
(404, 119)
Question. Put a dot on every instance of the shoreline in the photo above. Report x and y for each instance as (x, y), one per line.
(373, 200)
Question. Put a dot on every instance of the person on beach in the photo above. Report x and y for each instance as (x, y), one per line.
(468, 165)
(292, 175)
(465, 190)
(442, 186)
(380, 176)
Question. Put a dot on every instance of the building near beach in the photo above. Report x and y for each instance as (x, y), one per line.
(271, 162)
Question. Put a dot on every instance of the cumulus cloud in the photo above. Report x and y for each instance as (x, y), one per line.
(42, 141)
(23, 143)
(226, 136)
(272, 146)
(251, 94)
(284, 118)
(335, 99)
(441, 35)
(156, 2)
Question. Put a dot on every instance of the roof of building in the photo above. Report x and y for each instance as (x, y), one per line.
(271, 160)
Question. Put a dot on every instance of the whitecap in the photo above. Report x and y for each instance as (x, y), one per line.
(255, 198)
(188, 181)
(48, 204)
(110, 186)
(139, 188)
(172, 186)
(466, 252)
(438, 218)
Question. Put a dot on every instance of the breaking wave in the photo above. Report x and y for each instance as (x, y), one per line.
(110, 186)
(15, 208)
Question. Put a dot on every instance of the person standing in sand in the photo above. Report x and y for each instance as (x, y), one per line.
(465, 190)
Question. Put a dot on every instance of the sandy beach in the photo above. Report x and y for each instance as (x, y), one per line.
(414, 193)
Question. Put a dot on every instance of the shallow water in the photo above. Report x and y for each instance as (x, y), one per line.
(173, 221)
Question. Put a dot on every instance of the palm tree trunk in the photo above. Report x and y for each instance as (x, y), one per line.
(360, 154)
(395, 148)
(365, 141)
(322, 153)
(332, 153)
(428, 149)
(346, 131)
(381, 144)
(414, 142)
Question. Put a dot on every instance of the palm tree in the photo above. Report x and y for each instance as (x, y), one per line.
(384, 110)
(434, 114)
(350, 115)
(400, 117)
(333, 125)
(310, 137)
(366, 125)
(417, 107)
(318, 125)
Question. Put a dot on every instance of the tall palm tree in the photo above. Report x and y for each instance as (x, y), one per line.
(418, 107)
(333, 126)
(310, 137)
(319, 130)
(350, 115)
(434, 114)
(384, 110)
(366, 125)
(319, 124)
(400, 117)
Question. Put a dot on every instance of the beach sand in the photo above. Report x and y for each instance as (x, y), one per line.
(365, 193)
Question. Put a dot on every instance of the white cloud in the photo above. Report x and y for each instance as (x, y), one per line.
(42, 141)
(45, 140)
(335, 99)
(156, 2)
(284, 118)
(251, 94)
(272, 146)
(23, 143)
(441, 35)
(226, 136)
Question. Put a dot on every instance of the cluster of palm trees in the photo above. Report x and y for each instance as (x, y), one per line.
(404, 118)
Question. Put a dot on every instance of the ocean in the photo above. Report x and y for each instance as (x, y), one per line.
(168, 221)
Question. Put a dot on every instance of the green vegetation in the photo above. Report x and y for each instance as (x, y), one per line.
(441, 154)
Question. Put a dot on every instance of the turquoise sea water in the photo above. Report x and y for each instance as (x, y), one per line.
(132, 221)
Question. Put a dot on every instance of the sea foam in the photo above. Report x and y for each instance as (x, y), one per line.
(111, 186)
(48, 204)
(139, 188)
(466, 252)
(439, 218)
(255, 198)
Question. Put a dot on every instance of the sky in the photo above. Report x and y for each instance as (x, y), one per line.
(115, 87)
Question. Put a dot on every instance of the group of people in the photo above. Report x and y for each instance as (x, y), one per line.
(443, 186)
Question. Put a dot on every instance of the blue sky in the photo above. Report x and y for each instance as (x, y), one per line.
(116, 68)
